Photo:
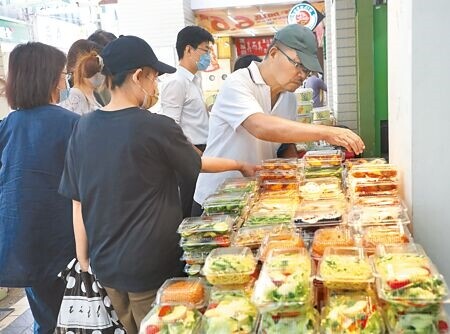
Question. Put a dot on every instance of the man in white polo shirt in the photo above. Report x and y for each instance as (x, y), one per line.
(255, 107)
(181, 93)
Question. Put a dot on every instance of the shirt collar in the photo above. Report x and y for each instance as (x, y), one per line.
(185, 73)
(256, 74)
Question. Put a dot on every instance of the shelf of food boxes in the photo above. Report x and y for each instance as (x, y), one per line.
(306, 113)
(308, 246)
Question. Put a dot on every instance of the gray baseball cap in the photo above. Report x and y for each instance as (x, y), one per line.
(302, 40)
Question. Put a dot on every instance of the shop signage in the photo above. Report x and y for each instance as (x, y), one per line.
(252, 45)
(14, 32)
(305, 14)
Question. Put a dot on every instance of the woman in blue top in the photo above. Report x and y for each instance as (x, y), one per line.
(36, 233)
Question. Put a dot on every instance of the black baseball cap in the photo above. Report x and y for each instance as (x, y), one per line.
(303, 41)
(130, 52)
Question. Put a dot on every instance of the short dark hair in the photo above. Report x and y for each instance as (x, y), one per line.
(113, 81)
(102, 37)
(193, 36)
(34, 73)
(78, 49)
(245, 61)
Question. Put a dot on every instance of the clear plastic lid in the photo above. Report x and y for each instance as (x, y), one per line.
(193, 257)
(283, 241)
(312, 173)
(293, 320)
(378, 216)
(253, 236)
(231, 265)
(328, 237)
(214, 225)
(285, 279)
(326, 158)
(230, 311)
(191, 292)
(321, 113)
(171, 319)
(225, 203)
(200, 240)
(304, 118)
(373, 236)
(193, 269)
(345, 268)
(374, 171)
(279, 185)
(376, 201)
(261, 217)
(350, 163)
(304, 94)
(279, 196)
(241, 184)
(347, 312)
(321, 213)
(304, 108)
(320, 188)
(280, 164)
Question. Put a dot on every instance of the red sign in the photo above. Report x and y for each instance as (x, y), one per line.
(252, 45)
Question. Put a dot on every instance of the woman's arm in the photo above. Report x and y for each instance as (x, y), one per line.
(81, 241)
(217, 165)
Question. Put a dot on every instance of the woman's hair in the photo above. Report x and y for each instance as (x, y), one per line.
(34, 73)
(79, 48)
(87, 66)
(102, 37)
(113, 81)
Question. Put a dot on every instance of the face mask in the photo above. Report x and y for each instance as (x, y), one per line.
(64, 92)
(204, 61)
(149, 100)
(97, 80)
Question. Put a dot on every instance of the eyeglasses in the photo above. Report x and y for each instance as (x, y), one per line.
(297, 65)
(205, 50)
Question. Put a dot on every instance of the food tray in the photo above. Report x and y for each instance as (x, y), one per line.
(171, 319)
(328, 237)
(191, 292)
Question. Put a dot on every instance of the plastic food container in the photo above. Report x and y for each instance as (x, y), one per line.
(364, 187)
(285, 241)
(280, 164)
(320, 188)
(193, 269)
(229, 312)
(207, 227)
(279, 185)
(373, 236)
(261, 217)
(252, 237)
(399, 319)
(378, 216)
(347, 312)
(376, 201)
(193, 257)
(313, 173)
(267, 203)
(304, 94)
(345, 268)
(374, 171)
(171, 319)
(276, 174)
(232, 265)
(305, 118)
(302, 321)
(320, 213)
(350, 163)
(330, 237)
(321, 113)
(190, 292)
(323, 159)
(285, 280)
(242, 184)
(406, 274)
(225, 203)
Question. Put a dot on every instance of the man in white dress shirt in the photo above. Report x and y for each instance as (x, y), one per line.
(255, 107)
(181, 93)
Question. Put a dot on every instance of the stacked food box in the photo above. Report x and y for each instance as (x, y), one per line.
(295, 251)
(322, 116)
(304, 104)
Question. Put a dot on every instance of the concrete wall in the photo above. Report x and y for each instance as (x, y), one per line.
(419, 118)
(341, 61)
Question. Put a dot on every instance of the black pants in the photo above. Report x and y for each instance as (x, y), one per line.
(197, 210)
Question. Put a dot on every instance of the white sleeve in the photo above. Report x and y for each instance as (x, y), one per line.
(236, 101)
(292, 107)
(173, 94)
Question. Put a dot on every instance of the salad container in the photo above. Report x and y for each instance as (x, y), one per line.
(228, 266)
(232, 203)
(178, 319)
(330, 237)
(252, 237)
(240, 184)
(370, 216)
(320, 213)
(304, 94)
(320, 188)
(345, 268)
(284, 241)
(280, 164)
(323, 159)
(191, 292)
(293, 321)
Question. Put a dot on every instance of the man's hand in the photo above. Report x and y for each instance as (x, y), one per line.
(248, 169)
(345, 138)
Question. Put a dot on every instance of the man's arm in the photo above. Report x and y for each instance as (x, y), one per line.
(276, 129)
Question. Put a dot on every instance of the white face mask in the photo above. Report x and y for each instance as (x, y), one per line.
(97, 80)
